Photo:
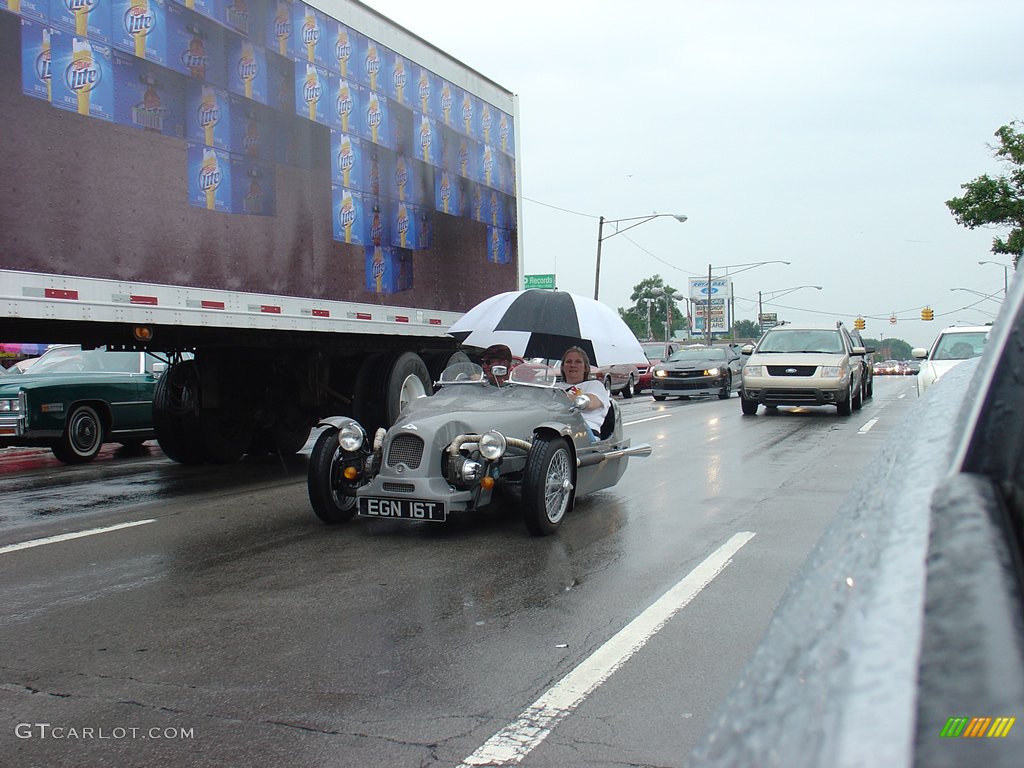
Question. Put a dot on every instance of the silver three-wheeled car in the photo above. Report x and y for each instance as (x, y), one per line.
(453, 451)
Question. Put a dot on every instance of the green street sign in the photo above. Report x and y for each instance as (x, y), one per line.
(540, 281)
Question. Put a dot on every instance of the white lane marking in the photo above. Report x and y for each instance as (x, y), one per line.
(867, 426)
(68, 536)
(514, 742)
(649, 418)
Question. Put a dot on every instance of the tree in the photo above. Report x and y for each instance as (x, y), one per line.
(998, 201)
(745, 329)
(889, 349)
(636, 316)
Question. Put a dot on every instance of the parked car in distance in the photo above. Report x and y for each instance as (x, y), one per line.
(953, 345)
(803, 365)
(74, 400)
(655, 352)
(697, 371)
(618, 379)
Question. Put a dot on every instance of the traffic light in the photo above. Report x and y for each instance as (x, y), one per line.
(927, 314)
(859, 323)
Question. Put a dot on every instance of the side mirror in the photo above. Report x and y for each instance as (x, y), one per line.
(858, 351)
(919, 353)
(499, 370)
(747, 349)
(869, 350)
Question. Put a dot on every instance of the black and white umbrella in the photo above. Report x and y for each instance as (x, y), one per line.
(538, 323)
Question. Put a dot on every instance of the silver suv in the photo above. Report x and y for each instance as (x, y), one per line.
(803, 364)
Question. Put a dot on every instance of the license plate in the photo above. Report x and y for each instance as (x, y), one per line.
(403, 509)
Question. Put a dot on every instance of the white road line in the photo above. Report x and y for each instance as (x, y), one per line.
(514, 742)
(68, 536)
(649, 418)
(867, 426)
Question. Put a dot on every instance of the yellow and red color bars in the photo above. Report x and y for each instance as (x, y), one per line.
(977, 727)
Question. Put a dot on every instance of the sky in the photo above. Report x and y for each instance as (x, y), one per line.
(825, 133)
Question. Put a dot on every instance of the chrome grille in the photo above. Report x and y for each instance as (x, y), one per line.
(405, 449)
(398, 487)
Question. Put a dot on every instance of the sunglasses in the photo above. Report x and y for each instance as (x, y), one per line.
(492, 361)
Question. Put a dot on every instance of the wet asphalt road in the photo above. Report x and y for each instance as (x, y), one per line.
(227, 626)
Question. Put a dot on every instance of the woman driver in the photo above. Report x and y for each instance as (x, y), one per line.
(576, 372)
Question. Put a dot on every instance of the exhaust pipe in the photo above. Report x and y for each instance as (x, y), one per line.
(644, 449)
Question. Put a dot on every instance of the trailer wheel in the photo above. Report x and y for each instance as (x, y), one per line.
(175, 408)
(547, 484)
(438, 361)
(82, 436)
(385, 385)
(324, 480)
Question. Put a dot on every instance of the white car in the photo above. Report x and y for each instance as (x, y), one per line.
(954, 345)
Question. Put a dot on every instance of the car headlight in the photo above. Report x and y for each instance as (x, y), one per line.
(351, 437)
(752, 370)
(471, 471)
(833, 371)
(711, 372)
(7, 406)
(493, 445)
(661, 373)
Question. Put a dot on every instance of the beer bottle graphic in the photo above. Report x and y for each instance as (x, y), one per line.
(209, 114)
(247, 68)
(424, 90)
(503, 132)
(488, 164)
(344, 104)
(80, 9)
(467, 112)
(195, 57)
(446, 103)
(399, 77)
(345, 160)
(347, 214)
(210, 177)
(374, 117)
(403, 224)
(446, 190)
(138, 22)
(485, 121)
(343, 50)
(282, 26)
(426, 137)
(43, 63)
(376, 230)
(310, 34)
(83, 75)
(377, 268)
(311, 90)
(253, 202)
(372, 65)
(401, 176)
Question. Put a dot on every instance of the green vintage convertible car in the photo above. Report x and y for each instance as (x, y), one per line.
(74, 400)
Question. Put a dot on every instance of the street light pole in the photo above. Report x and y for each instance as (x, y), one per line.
(1006, 274)
(601, 237)
(727, 267)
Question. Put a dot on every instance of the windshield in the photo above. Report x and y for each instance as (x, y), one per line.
(463, 373)
(696, 355)
(959, 346)
(797, 340)
(76, 359)
(534, 374)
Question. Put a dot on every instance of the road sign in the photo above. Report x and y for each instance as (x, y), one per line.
(540, 281)
(768, 319)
